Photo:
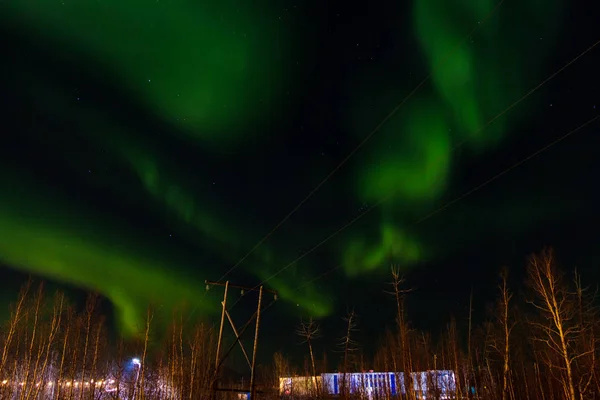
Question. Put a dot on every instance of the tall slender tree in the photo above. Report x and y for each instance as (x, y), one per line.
(309, 331)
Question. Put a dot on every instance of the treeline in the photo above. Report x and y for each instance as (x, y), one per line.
(539, 343)
(51, 350)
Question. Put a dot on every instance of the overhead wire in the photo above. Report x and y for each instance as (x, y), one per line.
(438, 210)
(382, 200)
(385, 198)
(445, 206)
(428, 216)
(472, 190)
(361, 144)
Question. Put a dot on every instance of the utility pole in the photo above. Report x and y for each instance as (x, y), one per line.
(253, 368)
(238, 333)
(224, 303)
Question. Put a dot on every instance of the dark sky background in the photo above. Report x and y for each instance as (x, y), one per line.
(149, 145)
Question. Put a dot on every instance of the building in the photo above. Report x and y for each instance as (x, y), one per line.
(439, 384)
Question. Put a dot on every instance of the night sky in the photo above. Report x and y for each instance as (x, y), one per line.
(148, 145)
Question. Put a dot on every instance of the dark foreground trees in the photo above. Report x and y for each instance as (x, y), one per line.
(51, 351)
(537, 343)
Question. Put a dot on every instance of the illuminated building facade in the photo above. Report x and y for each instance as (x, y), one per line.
(440, 384)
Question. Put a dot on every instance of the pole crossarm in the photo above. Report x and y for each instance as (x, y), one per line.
(242, 287)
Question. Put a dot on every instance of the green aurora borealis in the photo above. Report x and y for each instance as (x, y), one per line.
(214, 77)
(473, 80)
(194, 64)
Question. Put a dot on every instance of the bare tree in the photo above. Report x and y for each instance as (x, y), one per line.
(586, 320)
(139, 384)
(90, 306)
(310, 331)
(399, 294)
(501, 343)
(33, 339)
(455, 356)
(348, 345)
(281, 369)
(557, 328)
(50, 336)
(16, 316)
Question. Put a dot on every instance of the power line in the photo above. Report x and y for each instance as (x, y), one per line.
(360, 145)
(462, 196)
(381, 201)
(352, 221)
(426, 217)
(507, 170)
(318, 277)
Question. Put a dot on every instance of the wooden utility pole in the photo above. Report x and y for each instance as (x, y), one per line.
(224, 303)
(238, 333)
(253, 368)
